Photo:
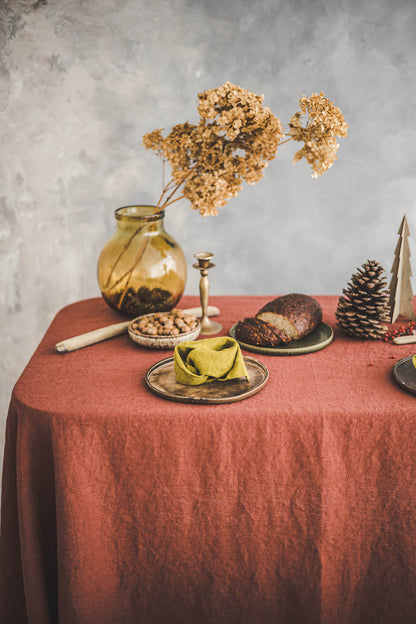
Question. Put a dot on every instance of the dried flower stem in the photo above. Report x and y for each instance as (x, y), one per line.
(173, 201)
(187, 175)
(121, 254)
(285, 141)
(129, 273)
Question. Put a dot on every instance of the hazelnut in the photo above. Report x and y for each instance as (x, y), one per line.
(188, 319)
(166, 323)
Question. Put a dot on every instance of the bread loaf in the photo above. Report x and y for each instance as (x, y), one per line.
(260, 333)
(296, 315)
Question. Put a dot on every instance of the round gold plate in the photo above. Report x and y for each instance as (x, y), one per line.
(161, 380)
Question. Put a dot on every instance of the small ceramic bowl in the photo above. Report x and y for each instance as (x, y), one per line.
(160, 342)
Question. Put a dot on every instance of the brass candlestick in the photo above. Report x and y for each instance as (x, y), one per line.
(203, 265)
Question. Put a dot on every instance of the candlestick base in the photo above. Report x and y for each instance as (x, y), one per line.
(209, 327)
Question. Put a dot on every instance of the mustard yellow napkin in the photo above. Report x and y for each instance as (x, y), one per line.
(201, 361)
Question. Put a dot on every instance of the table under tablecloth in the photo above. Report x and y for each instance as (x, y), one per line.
(295, 505)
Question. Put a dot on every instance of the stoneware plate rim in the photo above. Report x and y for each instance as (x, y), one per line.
(309, 344)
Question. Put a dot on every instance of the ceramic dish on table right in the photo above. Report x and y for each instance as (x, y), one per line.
(321, 337)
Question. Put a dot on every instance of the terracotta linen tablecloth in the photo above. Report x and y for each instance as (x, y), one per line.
(295, 505)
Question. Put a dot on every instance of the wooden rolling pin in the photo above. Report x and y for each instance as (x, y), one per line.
(103, 333)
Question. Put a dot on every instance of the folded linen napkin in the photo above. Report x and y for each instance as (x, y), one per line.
(201, 361)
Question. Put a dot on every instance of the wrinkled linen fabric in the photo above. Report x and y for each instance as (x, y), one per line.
(295, 505)
(202, 361)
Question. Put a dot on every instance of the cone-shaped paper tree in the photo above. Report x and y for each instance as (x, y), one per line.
(401, 294)
(363, 308)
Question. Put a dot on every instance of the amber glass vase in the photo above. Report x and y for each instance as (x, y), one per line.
(141, 269)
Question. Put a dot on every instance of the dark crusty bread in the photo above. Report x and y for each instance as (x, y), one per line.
(296, 315)
(260, 333)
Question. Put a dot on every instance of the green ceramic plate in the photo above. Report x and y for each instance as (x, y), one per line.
(318, 339)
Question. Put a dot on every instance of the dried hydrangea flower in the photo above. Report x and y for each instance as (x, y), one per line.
(233, 142)
(325, 122)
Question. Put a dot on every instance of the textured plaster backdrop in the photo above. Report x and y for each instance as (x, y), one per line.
(81, 82)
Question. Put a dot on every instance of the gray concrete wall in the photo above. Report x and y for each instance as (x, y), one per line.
(81, 82)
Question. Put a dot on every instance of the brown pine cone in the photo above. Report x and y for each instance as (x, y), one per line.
(363, 308)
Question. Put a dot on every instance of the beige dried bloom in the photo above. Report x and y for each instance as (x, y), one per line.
(324, 123)
(233, 142)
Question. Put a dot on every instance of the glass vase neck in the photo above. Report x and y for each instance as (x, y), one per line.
(141, 213)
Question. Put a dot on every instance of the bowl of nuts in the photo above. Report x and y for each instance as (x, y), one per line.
(164, 330)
